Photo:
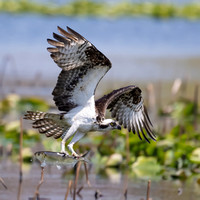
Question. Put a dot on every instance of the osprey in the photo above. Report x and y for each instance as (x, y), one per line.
(83, 66)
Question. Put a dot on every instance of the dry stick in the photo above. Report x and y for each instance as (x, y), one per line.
(36, 196)
(87, 180)
(3, 68)
(77, 170)
(20, 159)
(2, 74)
(68, 189)
(196, 93)
(86, 174)
(125, 193)
(127, 148)
(158, 95)
(148, 189)
(151, 97)
(71, 189)
(3, 183)
(79, 190)
(126, 186)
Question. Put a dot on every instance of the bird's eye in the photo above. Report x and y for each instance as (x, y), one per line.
(112, 124)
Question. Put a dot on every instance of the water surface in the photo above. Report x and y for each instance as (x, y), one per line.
(141, 49)
(112, 186)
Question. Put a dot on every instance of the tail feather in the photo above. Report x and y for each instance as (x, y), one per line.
(47, 123)
(34, 115)
(52, 132)
(44, 124)
(60, 133)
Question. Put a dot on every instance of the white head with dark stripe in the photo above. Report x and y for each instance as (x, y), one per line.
(107, 125)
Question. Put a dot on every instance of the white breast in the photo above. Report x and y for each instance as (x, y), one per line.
(83, 115)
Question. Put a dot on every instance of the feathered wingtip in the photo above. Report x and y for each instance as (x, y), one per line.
(148, 126)
(66, 34)
(45, 123)
(32, 115)
(28, 115)
(66, 38)
(76, 34)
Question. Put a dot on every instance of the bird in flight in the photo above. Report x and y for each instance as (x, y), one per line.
(83, 66)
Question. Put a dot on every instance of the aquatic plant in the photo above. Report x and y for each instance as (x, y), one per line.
(12, 108)
(10, 140)
(15, 103)
(176, 154)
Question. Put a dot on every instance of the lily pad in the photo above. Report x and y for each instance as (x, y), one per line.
(146, 167)
(114, 160)
(195, 156)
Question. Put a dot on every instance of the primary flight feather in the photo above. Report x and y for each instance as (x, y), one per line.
(83, 66)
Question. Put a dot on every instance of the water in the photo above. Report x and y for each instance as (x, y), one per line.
(141, 49)
(112, 186)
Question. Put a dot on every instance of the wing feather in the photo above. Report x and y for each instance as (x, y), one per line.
(139, 127)
(126, 105)
(47, 123)
(136, 125)
(83, 66)
(52, 50)
(61, 39)
(124, 117)
(55, 43)
(131, 122)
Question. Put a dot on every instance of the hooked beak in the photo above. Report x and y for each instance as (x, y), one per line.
(119, 127)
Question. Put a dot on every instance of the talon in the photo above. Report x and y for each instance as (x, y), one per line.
(76, 156)
(63, 153)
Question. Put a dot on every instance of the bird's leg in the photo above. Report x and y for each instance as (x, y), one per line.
(63, 148)
(63, 152)
(75, 139)
(70, 147)
(69, 133)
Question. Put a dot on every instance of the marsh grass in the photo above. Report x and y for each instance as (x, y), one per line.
(74, 188)
(103, 9)
(175, 155)
(3, 183)
(36, 196)
(20, 160)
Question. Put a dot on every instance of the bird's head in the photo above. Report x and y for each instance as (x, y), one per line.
(108, 124)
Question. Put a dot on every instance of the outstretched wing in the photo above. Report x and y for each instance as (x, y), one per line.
(126, 105)
(83, 66)
(48, 123)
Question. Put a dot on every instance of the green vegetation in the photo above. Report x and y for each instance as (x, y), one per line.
(103, 9)
(9, 140)
(13, 103)
(15, 106)
(175, 155)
